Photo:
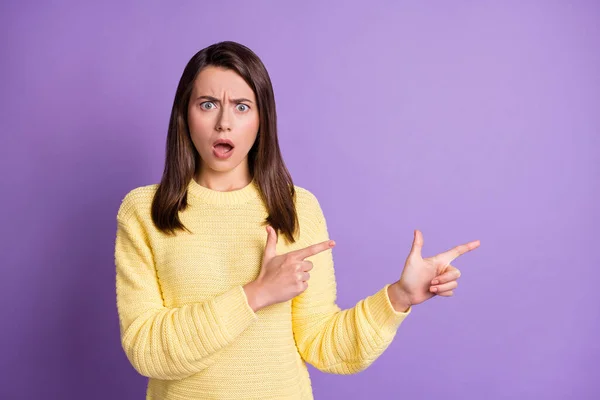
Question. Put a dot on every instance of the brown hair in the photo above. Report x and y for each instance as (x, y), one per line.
(265, 161)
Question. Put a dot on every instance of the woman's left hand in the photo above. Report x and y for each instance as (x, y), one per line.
(422, 279)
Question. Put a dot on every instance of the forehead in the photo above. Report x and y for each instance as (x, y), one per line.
(216, 81)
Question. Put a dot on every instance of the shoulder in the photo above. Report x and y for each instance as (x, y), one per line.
(308, 205)
(305, 198)
(137, 202)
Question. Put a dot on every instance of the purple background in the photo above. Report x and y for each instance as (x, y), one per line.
(462, 119)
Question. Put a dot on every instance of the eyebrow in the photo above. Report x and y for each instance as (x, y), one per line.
(210, 98)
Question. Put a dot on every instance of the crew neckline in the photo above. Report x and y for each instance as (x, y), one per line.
(238, 196)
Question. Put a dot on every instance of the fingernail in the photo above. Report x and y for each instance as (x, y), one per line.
(435, 282)
(331, 244)
(434, 289)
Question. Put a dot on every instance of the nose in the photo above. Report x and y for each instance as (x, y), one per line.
(224, 121)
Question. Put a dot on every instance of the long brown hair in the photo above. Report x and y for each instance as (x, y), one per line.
(265, 161)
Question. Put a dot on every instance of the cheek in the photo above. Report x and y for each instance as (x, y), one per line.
(199, 126)
(250, 129)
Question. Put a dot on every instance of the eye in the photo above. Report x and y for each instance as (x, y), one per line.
(242, 107)
(202, 105)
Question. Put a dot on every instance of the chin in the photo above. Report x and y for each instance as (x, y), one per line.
(223, 166)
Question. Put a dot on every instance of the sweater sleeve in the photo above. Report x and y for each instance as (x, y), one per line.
(168, 343)
(334, 340)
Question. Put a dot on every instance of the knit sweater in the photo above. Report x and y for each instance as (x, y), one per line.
(185, 320)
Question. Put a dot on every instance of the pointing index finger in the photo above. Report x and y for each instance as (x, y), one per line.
(450, 255)
(313, 249)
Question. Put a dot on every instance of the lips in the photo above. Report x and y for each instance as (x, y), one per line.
(225, 142)
(223, 148)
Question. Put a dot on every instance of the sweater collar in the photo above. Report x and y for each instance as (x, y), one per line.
(206, 195)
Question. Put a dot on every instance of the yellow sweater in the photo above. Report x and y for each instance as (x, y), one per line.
(184, 318)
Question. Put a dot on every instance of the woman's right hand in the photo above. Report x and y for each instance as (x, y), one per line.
(282, 277)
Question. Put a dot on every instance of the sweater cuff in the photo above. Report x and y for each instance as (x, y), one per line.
(382, 312)
(234, 311)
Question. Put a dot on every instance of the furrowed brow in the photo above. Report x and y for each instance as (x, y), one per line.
(211, 98)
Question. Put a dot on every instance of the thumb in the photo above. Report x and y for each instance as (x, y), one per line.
(270, 249)
(417, 244)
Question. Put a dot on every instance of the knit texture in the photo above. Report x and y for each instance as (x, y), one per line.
(185, 321)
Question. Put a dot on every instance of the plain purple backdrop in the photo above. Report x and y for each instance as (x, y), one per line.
(467, 120)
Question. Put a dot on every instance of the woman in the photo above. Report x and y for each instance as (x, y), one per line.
(224, 271)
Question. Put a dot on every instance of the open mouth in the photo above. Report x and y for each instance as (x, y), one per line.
(223, 149)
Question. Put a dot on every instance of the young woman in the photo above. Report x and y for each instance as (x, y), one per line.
(224, 271)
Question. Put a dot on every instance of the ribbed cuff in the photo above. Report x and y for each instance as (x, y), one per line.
(234, 312)
(382, 312)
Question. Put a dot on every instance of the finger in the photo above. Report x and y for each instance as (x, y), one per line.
(312, 250)
(303, 276)
(444, 287)
(449, 293)
(451, 275)
(306, 266)
(448, 256)
(417, 244)
(271, 247)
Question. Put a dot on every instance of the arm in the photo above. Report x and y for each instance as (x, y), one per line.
(168, 343)
(334, 340)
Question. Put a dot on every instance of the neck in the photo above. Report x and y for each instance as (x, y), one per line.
(233, 193)
(223, 181)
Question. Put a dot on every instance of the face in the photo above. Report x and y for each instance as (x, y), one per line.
(222, 106)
